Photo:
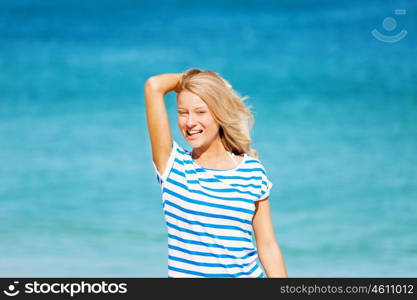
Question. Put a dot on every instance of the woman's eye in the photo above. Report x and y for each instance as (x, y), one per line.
(201, 112)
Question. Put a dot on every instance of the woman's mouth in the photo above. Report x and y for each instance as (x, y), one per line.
(193, 134)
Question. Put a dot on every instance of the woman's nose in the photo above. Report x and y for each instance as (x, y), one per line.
(190, 120)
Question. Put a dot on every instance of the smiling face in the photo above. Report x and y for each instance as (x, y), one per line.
(195, 120)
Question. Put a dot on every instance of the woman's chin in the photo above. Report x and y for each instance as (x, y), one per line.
(195, 143)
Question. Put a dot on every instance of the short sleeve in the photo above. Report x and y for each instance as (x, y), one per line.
(161, 178)
(266, 185)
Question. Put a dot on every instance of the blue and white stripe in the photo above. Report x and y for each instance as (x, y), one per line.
(209, 216)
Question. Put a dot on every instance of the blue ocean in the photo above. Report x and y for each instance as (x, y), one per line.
(335, 126)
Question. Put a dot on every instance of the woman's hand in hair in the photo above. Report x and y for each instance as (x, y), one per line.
(163, 83)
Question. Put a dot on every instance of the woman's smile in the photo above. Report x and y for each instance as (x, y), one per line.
(194, 134)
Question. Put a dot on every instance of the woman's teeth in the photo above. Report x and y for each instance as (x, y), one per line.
(193, 132)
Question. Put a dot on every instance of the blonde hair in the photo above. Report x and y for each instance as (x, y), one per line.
(226, 106)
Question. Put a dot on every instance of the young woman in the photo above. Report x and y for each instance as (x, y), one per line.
(215, 196)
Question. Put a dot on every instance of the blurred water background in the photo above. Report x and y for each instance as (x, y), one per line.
(336, 128)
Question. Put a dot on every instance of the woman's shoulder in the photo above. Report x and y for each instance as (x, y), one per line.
(254, 163)
(180, 149)
(249, 159)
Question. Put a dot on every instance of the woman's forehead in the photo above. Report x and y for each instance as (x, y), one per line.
(187, 99)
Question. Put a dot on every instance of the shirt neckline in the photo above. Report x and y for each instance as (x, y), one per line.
(210, 169)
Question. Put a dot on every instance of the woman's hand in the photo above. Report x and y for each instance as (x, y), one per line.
(163, 83)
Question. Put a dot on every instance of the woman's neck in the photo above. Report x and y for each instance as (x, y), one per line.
(214, 155)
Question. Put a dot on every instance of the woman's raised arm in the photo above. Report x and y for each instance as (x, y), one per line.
(156, 87)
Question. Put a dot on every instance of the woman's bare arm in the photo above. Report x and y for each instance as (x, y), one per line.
(156, 87)
(269, 252)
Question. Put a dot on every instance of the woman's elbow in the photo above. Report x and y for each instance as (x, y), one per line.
(152, 85)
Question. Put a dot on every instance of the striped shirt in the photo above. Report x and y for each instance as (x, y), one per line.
(209, 214)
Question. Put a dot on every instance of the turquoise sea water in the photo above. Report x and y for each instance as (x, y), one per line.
(335, 126)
